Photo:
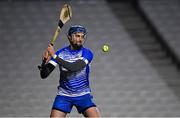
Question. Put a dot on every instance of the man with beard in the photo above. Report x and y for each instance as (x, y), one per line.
(74, 65)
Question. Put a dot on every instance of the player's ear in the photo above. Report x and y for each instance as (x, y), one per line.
(69, 37)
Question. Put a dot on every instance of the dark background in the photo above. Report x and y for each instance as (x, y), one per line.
(139, 76)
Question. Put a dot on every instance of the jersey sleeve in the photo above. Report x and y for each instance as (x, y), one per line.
(87, 56)
(53, 61)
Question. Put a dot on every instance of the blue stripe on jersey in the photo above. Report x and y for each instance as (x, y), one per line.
(74, 82)
(77, 83)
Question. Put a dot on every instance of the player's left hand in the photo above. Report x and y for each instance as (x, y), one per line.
(50, 50)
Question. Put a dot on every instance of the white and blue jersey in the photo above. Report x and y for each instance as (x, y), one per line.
(74, 83)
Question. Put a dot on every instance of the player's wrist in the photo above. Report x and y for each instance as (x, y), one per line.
(54, 56)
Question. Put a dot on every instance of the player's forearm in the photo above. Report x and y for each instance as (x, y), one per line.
(75, 66)
(45, 70)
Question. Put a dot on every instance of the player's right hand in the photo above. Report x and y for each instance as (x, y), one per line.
(46, 56)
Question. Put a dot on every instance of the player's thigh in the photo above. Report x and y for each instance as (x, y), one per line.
(57, 113)
(92, 112)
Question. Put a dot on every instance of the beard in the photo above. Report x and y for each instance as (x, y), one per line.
(76, 46)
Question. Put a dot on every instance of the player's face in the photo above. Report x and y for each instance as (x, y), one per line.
(77, 39)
